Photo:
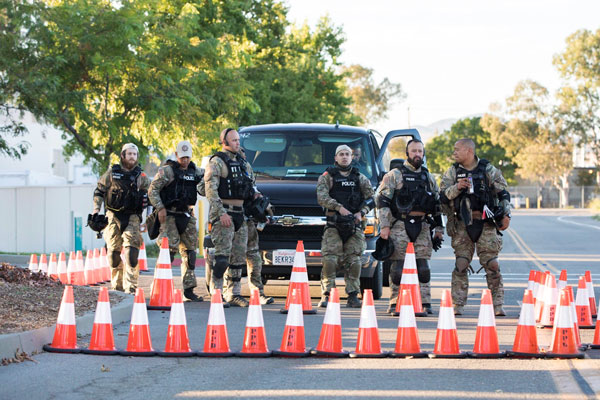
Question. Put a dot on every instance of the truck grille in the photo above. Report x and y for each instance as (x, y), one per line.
(300, 211)
(276, 233)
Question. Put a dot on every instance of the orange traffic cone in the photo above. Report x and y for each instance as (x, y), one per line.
(98, 272)
(596, 343)
(526, 344)
(582, 306)
(531, 280)
(573, 312)
(330, 341)
(368, 344)
(299, 282)
(536, 287)
(293, 343)
(162, 285)
(407, 338)
(79, 275)
(216, 342)
(90, 279)
(62, 269)
(43, 266)
(103, 341)
(255, 338)
(562, 280)
(142, 259)
(65, 334)
(486, 337)
(178, 343)
(33, 263)
(564, 344)
(591, 294)
(410, 281)
(446, 337)
(106, 273)
(53, 267)
(550, 302)
(139, 342)
(539, 298)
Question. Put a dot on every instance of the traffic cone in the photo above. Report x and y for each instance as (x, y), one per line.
(486, 336)
(573, 312)
(330, 341)
(407, 338)
(536, 287)
(410, 281)
(103, 341)
(178, 343)
(43, 266)
(526, 344)
(79, 276)
(531, 280)
(582, 306)
(446, 337)
(562, 280)
(596, 343)
(216, 342)
(161, 296)
(293, 343)
(564, 344)
(255, 338)
(33, 263)
(139, 342)
(591, 294)
(539, 299)
(98, 272)
(65, 334)
(62, 269)
(550, 302)
(367, 343)
(106, 273)
(299, 281)
(90, 279)
(53, 267)
(142, 259)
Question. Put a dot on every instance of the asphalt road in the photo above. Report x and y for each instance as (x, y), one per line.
(546, 241)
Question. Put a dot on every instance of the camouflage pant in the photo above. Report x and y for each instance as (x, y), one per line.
(253, 259)
(182, 242)
(423, 248)
(124, 275)
(488, 246)
(233, 245)
(345, 256)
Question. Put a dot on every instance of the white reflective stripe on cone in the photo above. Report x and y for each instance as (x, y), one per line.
(52, 268)
(410, 262)
(332, 314)
(177, 316)
(527, 316)
(590, 290)
(255, 317)
(216, 315)
(299, 277)
(142, 254)
(486, 315)
(409, 278)
(582, 298)
(407, 317)
(164, 257)
(367, 317)
(139, 314)
(163, 273)
(446, 318)
(564, 318)
(103, 315)
(294, 317)
(66, 314)
(300, 260)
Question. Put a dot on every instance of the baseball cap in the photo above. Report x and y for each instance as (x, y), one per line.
(128, 146)
(184, 149)
(341, 148)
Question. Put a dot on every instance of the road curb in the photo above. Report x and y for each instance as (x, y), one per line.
(33, 340)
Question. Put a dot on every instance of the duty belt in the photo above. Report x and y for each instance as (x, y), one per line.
(233, 208)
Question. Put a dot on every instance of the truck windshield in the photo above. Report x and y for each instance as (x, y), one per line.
(302, 155)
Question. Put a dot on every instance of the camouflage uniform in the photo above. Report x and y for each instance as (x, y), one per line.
(186, 242)
(337, 254)
(488, 245)
(392, 181)
(230, 246)
(116, 240)
(253, 259)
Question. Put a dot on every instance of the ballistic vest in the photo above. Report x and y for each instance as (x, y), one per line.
(482, 191)
(346, 189)
(181, 192)
(237, 185)
(123, 195)
(415, 194)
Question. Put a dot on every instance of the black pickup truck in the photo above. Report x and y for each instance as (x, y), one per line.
(287, 160)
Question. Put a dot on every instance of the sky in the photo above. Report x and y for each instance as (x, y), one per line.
(453, 58)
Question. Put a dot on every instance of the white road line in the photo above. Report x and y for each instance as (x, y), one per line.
(561, 219)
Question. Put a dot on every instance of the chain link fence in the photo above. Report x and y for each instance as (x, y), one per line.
(549, 197)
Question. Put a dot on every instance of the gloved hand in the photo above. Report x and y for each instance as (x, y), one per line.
(436, 240)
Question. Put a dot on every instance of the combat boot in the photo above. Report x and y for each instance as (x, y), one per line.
(427, 308)
(458, 310)
(238, 301)
(324, 300)
(499, 311)
(191, 296)
(266, 299)
(353, 301)
(391, 308)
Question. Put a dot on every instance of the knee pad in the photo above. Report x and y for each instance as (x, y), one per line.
(397, 272)
(131, 255)
(220, 265)
(115, 258)
(462, 264)
(191, 255)
(172, 255)
(493, 265)
(423, 270)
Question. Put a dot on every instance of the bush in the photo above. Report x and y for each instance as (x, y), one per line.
(594, 204)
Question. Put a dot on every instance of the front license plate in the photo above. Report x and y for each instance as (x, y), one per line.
(283, 257)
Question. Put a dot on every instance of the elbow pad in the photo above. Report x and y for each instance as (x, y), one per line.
(383, 202)
(503, 195)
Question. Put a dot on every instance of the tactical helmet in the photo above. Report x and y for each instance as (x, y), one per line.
(257, 208)
(384, 248)
(97, 222)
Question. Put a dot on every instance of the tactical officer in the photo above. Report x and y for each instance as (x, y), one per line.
(228, 183)
(408, 207)
(124, 191)
(347, 196)
(173, 193)
(474, 197)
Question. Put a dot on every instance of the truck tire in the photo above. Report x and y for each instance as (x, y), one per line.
(375, 283)
(386, 273)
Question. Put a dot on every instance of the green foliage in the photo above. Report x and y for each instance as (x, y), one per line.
(440, 148)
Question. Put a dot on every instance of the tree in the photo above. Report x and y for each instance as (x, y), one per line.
(371, 102)
(579, 66)
(440, 148)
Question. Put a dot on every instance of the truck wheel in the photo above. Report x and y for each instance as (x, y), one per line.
(375, 283)
(386, 273)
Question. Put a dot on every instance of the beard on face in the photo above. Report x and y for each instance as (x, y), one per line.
(416, 162)
(127, 163)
